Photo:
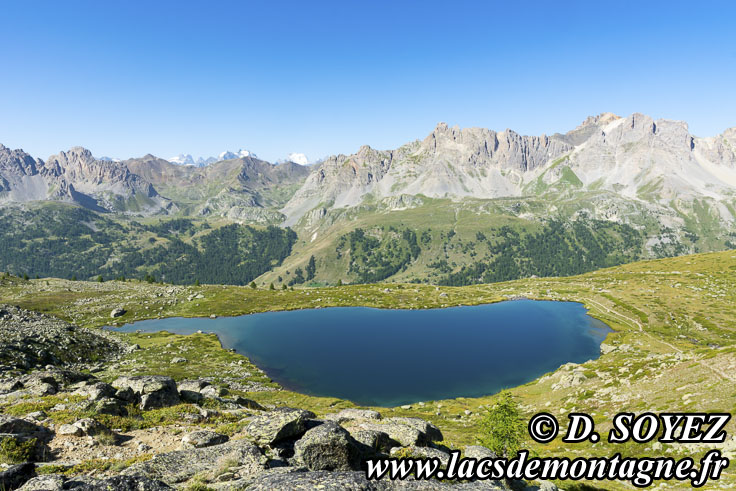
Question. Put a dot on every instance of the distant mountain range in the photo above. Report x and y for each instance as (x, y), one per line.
(676, 189)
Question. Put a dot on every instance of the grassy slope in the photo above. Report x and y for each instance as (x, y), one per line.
(674, 322)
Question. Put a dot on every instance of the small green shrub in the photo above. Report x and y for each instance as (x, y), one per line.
(13, 451)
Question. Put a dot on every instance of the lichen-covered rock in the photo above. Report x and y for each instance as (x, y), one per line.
(400, 434)
(372, 441)
(328, 447)
(154, 391)
(83, 427)
(352, 414)
(279, 424)
(429, 431)
(49, 482)
(182, 465)
(11, 424)
(203, 438)
(116, 483)
(96, 391)
(323, 480)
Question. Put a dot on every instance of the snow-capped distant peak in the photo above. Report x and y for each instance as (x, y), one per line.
(298, 158)
(182, 159)
(240, 154)
(108, 159)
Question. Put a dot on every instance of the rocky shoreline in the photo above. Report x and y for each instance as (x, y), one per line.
(215, 441)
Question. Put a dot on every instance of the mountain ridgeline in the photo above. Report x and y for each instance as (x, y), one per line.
(460, 206)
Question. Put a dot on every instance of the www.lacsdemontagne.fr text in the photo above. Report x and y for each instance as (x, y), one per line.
(641, 472)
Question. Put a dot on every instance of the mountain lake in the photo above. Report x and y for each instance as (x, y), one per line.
(378, 357)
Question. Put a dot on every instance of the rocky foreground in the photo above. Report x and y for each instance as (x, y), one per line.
(62, 428)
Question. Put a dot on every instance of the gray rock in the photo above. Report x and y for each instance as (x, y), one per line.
(155, 391)
(159, 399)
(113, 407)
(430, 432)
(69, 430)
(83, 427)
(117, 312)
(213, 392)
(479, 452)
(352, 414)
(374, 442)
(193, 385)
(17, 475)
(190, 396)
(279, 424)
(425, 453)
(96, 391)
(328, 447)
(203, 438)
(178, 359)
(90, 427)
(116, 483)
(10, 424)
(323, 480)
(50, 482)
(180, 466)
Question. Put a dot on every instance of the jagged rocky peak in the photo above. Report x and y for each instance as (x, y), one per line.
(601, 120)
(18, 161)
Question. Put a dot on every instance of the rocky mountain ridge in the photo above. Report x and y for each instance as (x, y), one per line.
(635, 157)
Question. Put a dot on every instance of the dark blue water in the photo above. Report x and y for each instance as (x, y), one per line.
(392, 357)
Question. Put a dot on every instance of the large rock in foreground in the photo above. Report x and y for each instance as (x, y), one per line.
(180, 466)
(279, 424)
(154, 391)
(328, 447)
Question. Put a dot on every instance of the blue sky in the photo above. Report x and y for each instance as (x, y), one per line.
(128, 78)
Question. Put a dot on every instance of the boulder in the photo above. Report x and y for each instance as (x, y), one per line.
(182, 465)
(213, 392)
(399, 434)
(429, 431)
(96, 391)
(154, 391)
(352, 414)
(113, 407)
(69, 430)
(190, 396)
(117, 312)
(373, 442)
(17, 475)
(193, 385)
(328, 447)
(279, 424)
(49, 482)
(159, 399)
(10, 424)
(203, 438)
(83, 427)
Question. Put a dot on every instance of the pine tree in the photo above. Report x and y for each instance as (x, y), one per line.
(339, 282)
(271, 287)
(253, 284)
(502, 427)
(311, 268)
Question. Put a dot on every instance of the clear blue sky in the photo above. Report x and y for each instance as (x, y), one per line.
(125, 78)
